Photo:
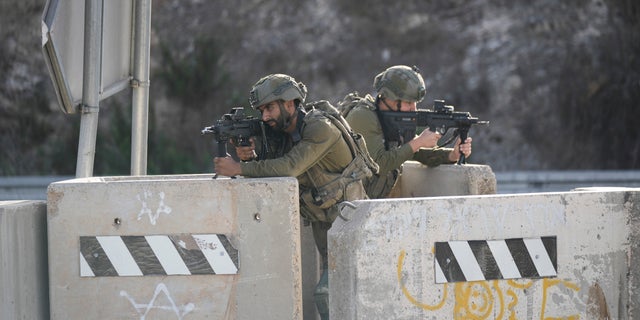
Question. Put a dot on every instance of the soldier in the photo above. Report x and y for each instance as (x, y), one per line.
(314, 150)
(398, 88)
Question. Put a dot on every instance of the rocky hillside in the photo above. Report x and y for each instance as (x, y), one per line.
(559, 80)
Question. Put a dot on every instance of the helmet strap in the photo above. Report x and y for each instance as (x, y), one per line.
(285, 119)
(388, 106)
(296, 135)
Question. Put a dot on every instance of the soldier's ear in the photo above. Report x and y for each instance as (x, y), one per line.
(290, 105)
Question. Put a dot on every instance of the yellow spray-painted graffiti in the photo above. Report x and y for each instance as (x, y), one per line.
(409, 296)
(480, 299)
(548, 283)
(486, 299)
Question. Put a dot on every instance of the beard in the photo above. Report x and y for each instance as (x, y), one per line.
(282, 122)
(276, 124)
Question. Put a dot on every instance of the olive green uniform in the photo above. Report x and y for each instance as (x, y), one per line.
(321, 148)
(325, 158)
(321, 145)
(364, 120)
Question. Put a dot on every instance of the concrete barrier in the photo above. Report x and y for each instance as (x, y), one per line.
(174, 247)
(418, 180)
(23, 260)
(571, 255)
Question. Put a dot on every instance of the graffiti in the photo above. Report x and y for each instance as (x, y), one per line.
(144, 309)
(144, 198)
(546, 286)
(409, 296)
(479, 300)
(496, 299)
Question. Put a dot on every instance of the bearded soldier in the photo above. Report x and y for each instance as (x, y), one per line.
(312, 149)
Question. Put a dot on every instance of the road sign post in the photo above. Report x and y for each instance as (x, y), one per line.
(81, 81)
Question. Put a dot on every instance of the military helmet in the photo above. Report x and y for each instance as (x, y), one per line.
(400, 83)
(276, 87)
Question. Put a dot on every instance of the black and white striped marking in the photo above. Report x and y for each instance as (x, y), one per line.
(479, 260)
(118, 256)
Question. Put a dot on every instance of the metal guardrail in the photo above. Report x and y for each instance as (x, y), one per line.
(35, 187)
(558, 181)
(27, 187)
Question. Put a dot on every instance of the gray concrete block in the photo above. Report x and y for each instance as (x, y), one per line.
(418, 180)
(383, 260)
(24, 281)
(259, 217)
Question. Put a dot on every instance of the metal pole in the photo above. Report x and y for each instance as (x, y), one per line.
(140, 84)
(90, 87)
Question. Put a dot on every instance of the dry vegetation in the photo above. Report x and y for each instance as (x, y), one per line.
(559, 81)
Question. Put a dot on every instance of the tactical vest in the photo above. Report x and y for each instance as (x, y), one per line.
(379, 185)
(329, 188)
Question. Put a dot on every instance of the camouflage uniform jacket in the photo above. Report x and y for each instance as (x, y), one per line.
(320, 155)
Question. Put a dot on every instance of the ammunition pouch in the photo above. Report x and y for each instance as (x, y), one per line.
(379, 186)
(319, 204)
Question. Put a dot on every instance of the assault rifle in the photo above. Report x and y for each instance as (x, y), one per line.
(440, 119)
(235, 126)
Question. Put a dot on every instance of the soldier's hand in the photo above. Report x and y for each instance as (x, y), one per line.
(227, 166)
(246, 153)
(426, 139)
(465, 148)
